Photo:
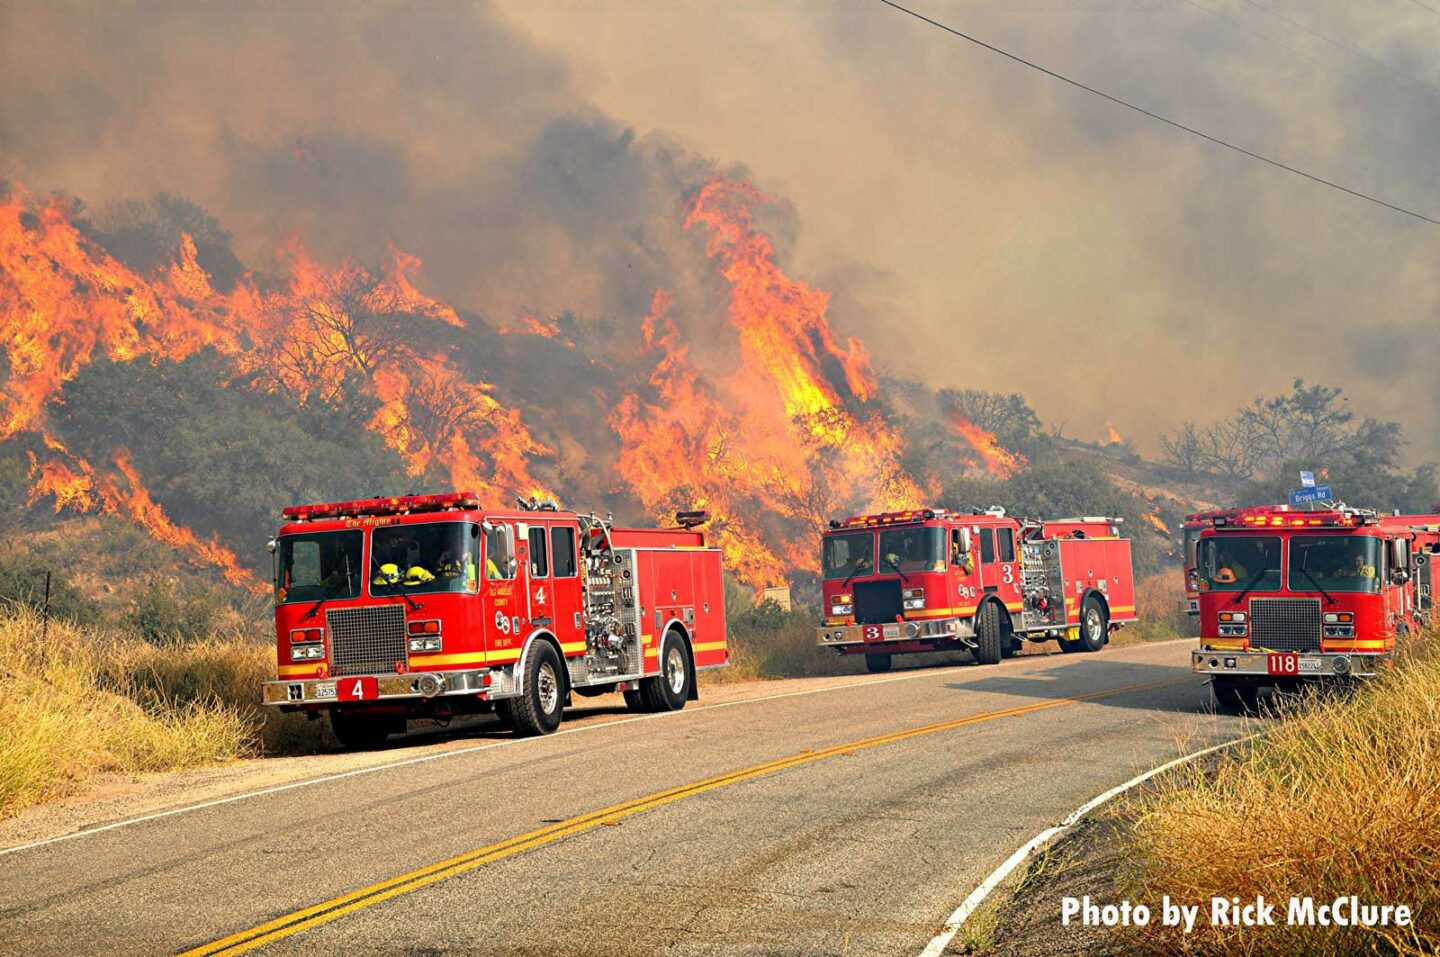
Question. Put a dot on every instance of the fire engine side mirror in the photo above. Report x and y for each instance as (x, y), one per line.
(272, 545)
(1399, 561)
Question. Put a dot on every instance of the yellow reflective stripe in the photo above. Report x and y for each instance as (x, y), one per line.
(296, 671)
(709, 645)
(1122, 607)
(573, 648)
(460, 658)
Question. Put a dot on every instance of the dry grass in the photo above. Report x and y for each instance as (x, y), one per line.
(1157, 602)
(1341, 798)
(84, 702)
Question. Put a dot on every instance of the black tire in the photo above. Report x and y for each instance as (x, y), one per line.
(878, 662)
(1233, 697)
(1009, 645)
(989, 635)
(670, 689)
(364, 732)
(1094, 625)
(634, 701)
(1071, 645)
(541, 704)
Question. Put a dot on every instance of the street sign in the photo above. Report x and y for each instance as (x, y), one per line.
(1307, 479)
(1303, 496)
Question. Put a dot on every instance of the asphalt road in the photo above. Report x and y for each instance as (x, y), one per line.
(851, 820)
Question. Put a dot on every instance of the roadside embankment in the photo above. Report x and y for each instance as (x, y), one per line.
(1338, 799)
(78, 702)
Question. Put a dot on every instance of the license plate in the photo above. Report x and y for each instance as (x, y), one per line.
(1284, 664)
(1311, 664)
(892, 631)
(357, 689)
(324, 691)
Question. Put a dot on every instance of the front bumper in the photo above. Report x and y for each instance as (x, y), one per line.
(1258, 664)
(392, 687)
(934, 629)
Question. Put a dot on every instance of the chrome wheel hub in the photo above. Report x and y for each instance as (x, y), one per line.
(548, 689)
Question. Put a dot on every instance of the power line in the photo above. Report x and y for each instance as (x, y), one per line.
(1156, 116)
(1344, 46)
(1426, 6)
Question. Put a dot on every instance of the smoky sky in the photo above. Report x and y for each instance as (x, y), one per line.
(981, 224)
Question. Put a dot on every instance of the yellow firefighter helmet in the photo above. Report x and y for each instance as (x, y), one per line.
(389, 574)
(416, 575)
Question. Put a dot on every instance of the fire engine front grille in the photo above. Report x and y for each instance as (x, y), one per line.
(366, 641)
(877, 602)
(1285, 624)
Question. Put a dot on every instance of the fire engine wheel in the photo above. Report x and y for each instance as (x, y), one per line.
(669, 690)
(1232, 697)
(1094, 626)
(539, 708)
(877, 662)
(362, 732)
(989, 635)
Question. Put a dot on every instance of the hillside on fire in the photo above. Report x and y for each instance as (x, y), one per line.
(155, 381)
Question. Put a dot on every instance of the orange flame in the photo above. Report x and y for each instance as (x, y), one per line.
(81, 489)
(994, 458)
(1155, 522)
(1114, 437)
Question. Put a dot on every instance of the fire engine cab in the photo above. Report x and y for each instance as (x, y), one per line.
(932, 580)
(1288, 596)
(430, 606)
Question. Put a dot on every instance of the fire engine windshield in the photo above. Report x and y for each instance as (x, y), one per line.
(1334, 563)
(428, 557)
(849, 555)
(1240, 563)
(318, 565)
(916, 549)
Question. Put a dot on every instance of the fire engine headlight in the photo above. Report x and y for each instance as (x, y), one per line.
(1339, 631)
(425, 644)
(307, 652)
(1232, 631)
(1232, 616)
(1339, 617)
(914, 598)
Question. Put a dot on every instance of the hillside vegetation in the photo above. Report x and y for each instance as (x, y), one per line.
(1341, 798)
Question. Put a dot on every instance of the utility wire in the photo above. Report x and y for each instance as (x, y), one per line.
(1327, 67)
(1344, 46)
(1426, 6)
(1156, 116)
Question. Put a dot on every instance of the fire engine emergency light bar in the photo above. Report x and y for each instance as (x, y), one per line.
(890, 518)
(383, 506)
(1295, 520)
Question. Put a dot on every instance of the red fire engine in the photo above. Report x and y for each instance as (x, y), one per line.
(431, 606)
(932, 580)
(1288, 596)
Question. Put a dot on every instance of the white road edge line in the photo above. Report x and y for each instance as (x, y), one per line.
(129, 822)
(937, 945)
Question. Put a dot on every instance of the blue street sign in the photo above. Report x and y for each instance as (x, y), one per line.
(1303, 496)
(1307, 479)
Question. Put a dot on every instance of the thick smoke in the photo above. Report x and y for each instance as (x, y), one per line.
(981, 224)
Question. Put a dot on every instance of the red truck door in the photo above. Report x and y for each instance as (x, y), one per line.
(564, 586)
(503, 607)
(999, 570)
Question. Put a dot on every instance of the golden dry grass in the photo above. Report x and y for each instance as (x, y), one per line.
(1342, 797)
(83, 703)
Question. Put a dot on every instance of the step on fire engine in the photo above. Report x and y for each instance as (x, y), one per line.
(932, 580)
(1288, 597)
(431, 606)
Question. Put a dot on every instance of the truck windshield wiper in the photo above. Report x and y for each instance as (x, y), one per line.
(1249, 586)
(896, 566)
(1329, 599)
(857, 570)
(325, 596)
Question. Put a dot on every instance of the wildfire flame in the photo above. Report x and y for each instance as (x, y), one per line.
(1114, 437)
(994, 458)
(773, 447)
(1155, 522)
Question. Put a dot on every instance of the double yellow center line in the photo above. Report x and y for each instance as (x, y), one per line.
(335, 908)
